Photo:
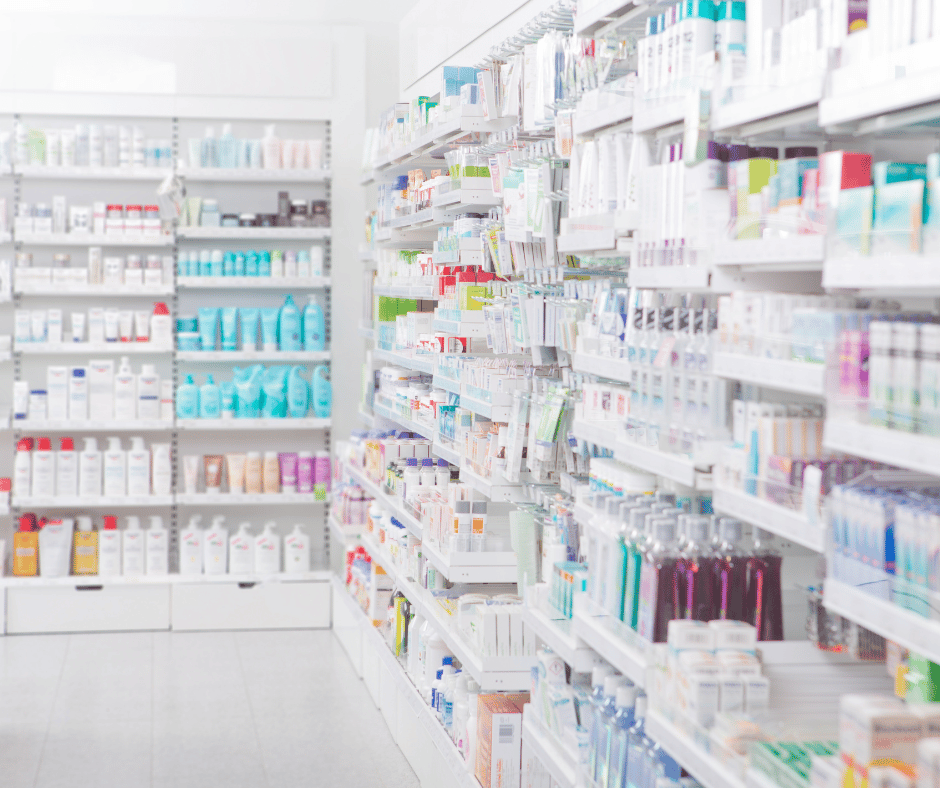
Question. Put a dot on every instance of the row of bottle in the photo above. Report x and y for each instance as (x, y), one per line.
(258, 392)
(270, 153)
(274, 263)
(96, 392)
(650, 562)
(46, 548)
(103, 325)
(114, 472)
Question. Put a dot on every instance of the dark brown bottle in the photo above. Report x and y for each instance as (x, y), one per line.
(763, 603)
(730, 571)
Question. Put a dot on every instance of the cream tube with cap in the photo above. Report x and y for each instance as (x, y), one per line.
(191, 549)
(191, 473)
(235, 463)
(158, 547)
(271, 473)
(253, 484)
(213, 463)
(215, 543)
(132, 548)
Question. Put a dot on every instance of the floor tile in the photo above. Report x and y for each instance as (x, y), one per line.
(98, 753)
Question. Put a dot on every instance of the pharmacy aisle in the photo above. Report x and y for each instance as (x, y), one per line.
(648, 491)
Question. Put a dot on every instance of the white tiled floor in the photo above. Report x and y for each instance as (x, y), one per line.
(190, 710)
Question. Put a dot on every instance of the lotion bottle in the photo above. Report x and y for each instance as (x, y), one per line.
(322, 393)
(125, 392)
(241, 551)
(158, 547)
(115, 469)
(23, 467)
(267, 551)
(43, 475)
(109, 548)
(55, 547)
(66, 469)
(270, 149)
(210, 400)
(162, 469)
(138, 468)
(148, 393)
(314, 326)
(133, 547)
(161, 326)
(89, 470)
(25, 549)
(191, 547)
(296, 552)
(216, 544)
(85, 553)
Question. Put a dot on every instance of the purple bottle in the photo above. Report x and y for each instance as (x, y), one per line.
(694, 573)
(730, 571)
(657, 590)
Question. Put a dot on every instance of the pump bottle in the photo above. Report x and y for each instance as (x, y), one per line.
(158, 547)
(241, 551)
(132, 543)
(66, 469)
(125, 392)
(148, 393)
(115, 469)
(296, 551)
(109, 548)
(23, 467)
(55, 547)
(215, 554)
(89, 470)
(43, 475)
(267, 551)
(85, 554)
(138, 468)
(191, 547)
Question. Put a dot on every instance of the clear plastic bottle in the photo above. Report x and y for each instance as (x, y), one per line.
(618, 716)
(730, 571)
(637, 742)
(696, 572)
(600, 701)
(620, 734)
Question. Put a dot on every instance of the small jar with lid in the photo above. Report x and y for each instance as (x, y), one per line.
(114, 220)
(24, 259)
(134, 220)
(230, 220)
(61, 260)
(151, 221)
(209, 217)
(298, 213)
(247, 220)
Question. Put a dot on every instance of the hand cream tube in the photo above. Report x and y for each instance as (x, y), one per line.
(213, 464)
(269, 328)
(78, 326)
(253, 472)
(305, 472)
(142, 325)
(126, 325)
(236, 472)
(249, 317)
(208, 320)
(229, 328)
(191, 472)
(288, 463)
(111, 325)
(271, 473)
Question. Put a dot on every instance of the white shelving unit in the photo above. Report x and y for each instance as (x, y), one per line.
(248, 499)
(791, 525)
(39, 171)
(254, 233)
(80, 502)
(91, 348)
(93, 239)
(560, 762)
(272, 356)
(558, 634)
(705, 768)
(472, 567)
(251, 282)
(249, 175)
(796, 376)
(49, 425)
(902, 449)
(113, 291)
(253, 424)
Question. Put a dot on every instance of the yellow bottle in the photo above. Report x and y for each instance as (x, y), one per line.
(85, 557)
(26, 548)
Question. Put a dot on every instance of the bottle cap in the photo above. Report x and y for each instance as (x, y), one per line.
(159, 308)
(599, 673)
(626, 696)
(45, 444)
(411, 462)
(729, 529)
(442, 463)
(25, 444)
(611, 683)
(84, 523)
(427, 462)
(110, 522)
(66, 444)
(26, 522)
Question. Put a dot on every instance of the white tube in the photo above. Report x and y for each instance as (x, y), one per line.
(191, 472)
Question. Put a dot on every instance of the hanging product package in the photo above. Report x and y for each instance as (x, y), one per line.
(248, 391)
(274, 388)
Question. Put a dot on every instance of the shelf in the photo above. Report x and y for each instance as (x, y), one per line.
(252, 282)
(799, 377)
(901, 449)
(498, 491)
(6, 237)
(610, 368)
(49, 289)
(708, 770)
(92, 239)
(246, 499)
(415, 220)
(199, 425)
(457, 328)
(171, 578)
(589, 21)
(423, 292)
(472, 567)
(671, 277)
(273, 356)
(466, 201)
(558, 635)
(92, 502)
(590, 121)
(485, 409)
(92, 173)
(796, 253)
(112, 425)
(787, 523)
(252, 175)
(344, 531)
(898, 275)
(419, 363)
(451, 455)
(89, 348)
(554, 756)
(771, 110)
(665, 116)
(447, 384)
(366, 418)
(598, 233)
(366, 331)
(919, 634)
(254, 233)
(387, 501)
(406, 424)
(598, 635)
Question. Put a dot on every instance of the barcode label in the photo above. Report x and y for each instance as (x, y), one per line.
(505, 733)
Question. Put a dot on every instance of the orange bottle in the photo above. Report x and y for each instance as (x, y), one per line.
(26, 548)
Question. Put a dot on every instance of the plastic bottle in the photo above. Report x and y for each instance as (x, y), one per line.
(411, 478)
(228, 147)
(241, 556)
(657, 602)
(215, 542)
(125, 392)
(288, 326)
(696, 573)
(162, 469)
(25, 548)
(763, 602)
(435, 652)
(85, 548)
(43, 473)
(191, 550)
(209, 153)
(617, 740)
(447, 703)
(161, 326)
(158, 547)
(115, 469)
(602, 718)
(138, 468)
(730, 571)
(435, 688)
(297, 552)
(268, 551)
(426, 475)
(598, 675)
(314, 326)
(55, 547)
(636, 747)
(210, 400)
(23, 467)
(298, 393)
(89, 470)
(461, 711)
(270, 149)
(148, 393)
(187, 400)
(109, 548)
(470, 737)
(133, 548)
(66, 469)
(442, 475)
(415, 646)
(322, 393)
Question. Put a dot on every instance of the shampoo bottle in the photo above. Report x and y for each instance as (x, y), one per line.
(138, 468)
(267, 551)
(115, 469)
(187, 400)
(43, 475)
(85, 555)
(216, 544)
(296, 552)
(158, 547)
(133, 547)
(161, 326)
(55, 547)
(148, 393)
(89, 472)
(270, 149)
(322, 393)
(210, 400)
(241, 552)
(191, 547)
(288, 326)
(228, 147)
(66, 469)
(109, 548)
(314, 327)
(25, 548)
(125, 392)
(23, 467)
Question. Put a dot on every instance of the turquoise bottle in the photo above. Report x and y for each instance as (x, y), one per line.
(288, 326)
(322, 393)
(187, 400)
(314, 326)
(210, 400)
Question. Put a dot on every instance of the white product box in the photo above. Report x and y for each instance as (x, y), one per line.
(101, 389)
(57, 392)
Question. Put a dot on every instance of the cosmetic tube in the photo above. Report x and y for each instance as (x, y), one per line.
(269, 317)
(126, 325)
(37, 330)
(236, 472)
(305, 472)
(20, 399)
(253, 472)
(229, 328)
(288, 463)
(227, 394)
(271, 473)
(142, 325)
(78, 326)
(208, 321)
(111, 325)
(213, 463)
(191, 472)
(249, 317)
